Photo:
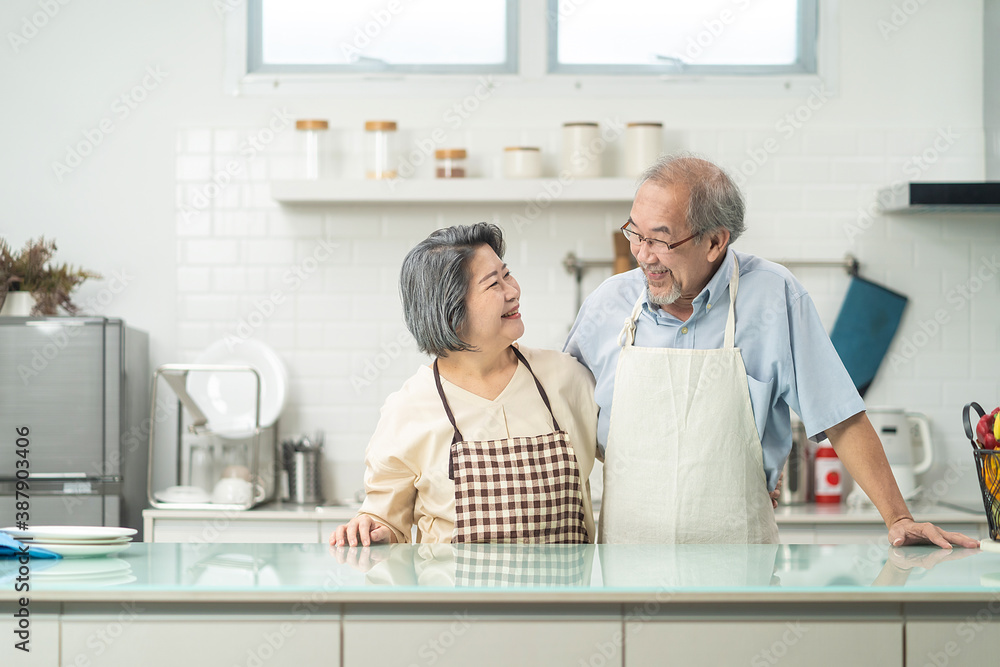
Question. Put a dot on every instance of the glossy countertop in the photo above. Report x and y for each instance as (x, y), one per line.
(810, 513)
(194, 573)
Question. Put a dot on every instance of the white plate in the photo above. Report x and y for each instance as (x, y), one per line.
(182, 494)
(111, 540)
(71, 533)
(86, 550)
(228, 398)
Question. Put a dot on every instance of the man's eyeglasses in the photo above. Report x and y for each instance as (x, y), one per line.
(654, 244)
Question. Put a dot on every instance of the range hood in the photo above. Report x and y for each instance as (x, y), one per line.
(974, 197)
(982, 197)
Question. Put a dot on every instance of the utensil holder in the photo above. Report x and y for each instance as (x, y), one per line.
(305, 482)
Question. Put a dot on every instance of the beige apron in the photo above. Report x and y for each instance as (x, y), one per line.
(683, 462)
(524, 489)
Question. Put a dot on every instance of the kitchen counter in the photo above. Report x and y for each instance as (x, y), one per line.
(627, 604)
(289, 523)
(813, 513)
(593, 574)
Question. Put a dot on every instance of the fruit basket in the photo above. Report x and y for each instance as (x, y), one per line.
(988, 468)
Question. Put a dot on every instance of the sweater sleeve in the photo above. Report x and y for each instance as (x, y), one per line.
(389, 481)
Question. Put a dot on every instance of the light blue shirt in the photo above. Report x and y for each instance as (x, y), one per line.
(789, 358)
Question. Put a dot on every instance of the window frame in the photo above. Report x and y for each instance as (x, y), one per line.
(808, 38)
(532, 80)
(256, 65)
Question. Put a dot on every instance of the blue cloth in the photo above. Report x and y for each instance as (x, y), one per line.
(865, 327)
(790, 361)
(11, 548)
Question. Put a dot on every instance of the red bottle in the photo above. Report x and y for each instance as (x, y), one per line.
(829, 474)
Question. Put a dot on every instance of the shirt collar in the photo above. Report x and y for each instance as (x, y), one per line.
(710, 295)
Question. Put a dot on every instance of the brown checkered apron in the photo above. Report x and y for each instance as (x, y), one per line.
(524, 489)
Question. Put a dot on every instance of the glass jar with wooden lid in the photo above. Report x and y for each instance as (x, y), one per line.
(450, 162)
(312, 146)
(380, 148)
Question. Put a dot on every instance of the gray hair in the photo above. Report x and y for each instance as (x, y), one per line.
(714, 200)
(434, 282)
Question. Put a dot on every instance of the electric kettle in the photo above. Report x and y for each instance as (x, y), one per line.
(903, 435)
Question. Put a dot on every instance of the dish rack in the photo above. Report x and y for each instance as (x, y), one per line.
(260, 442)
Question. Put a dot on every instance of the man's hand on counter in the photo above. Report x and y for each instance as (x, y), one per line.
(906, 532)
(363, 530)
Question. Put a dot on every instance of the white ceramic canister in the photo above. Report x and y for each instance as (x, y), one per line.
(522, 162)
(312, 137)
(581, 150)
(643, 144)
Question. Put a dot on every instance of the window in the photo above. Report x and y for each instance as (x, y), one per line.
(681, 37)
(382, 36)
(533, 48)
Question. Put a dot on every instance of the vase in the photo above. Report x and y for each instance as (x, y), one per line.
(17, 304)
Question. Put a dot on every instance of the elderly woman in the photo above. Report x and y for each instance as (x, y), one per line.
(491, 442)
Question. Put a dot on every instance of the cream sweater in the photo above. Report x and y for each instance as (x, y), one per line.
(407, 458)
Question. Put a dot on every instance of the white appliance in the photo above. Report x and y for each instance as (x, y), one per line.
(906, 438)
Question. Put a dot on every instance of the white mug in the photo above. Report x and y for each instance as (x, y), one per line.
(236, 491)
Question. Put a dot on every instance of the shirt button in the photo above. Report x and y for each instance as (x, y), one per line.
(684, 330)
(708, 307)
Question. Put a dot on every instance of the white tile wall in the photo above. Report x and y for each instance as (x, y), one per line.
(334, 269)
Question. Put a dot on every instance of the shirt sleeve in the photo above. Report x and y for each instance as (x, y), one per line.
(574, 342)
(821, 391)
(389, 482)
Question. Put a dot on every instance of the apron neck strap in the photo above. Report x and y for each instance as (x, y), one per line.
(457, 437)
(627, 335)
(734, 287)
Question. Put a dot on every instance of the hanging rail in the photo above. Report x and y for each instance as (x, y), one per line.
(578, 267)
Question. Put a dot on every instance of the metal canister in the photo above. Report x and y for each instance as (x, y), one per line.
(797, 485)
(305, 479)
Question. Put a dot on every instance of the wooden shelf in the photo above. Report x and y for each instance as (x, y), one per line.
(456, 190)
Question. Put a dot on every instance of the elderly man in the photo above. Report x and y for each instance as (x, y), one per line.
(695, 388)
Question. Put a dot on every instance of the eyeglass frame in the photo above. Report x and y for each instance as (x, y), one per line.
(652, 242)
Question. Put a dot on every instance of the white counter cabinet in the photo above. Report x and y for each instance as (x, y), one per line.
(815, 642)
(839, 524)
(291, 524)
(274, 523)
(171, 639)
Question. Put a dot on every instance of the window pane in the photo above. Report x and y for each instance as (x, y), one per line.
(429, 32)
(658, 32)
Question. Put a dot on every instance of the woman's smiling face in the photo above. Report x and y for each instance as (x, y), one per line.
(492, 301)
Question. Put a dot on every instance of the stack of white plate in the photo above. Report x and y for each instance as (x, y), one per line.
(76, 541)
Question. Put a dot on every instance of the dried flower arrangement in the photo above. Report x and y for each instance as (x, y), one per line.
(29, 271)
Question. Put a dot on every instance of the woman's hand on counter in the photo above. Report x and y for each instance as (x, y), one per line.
(906, 532)
(362, 530)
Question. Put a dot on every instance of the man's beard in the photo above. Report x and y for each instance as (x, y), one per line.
(663, 299)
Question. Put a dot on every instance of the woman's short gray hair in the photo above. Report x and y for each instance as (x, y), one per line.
(714, 200)
(434, 281)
